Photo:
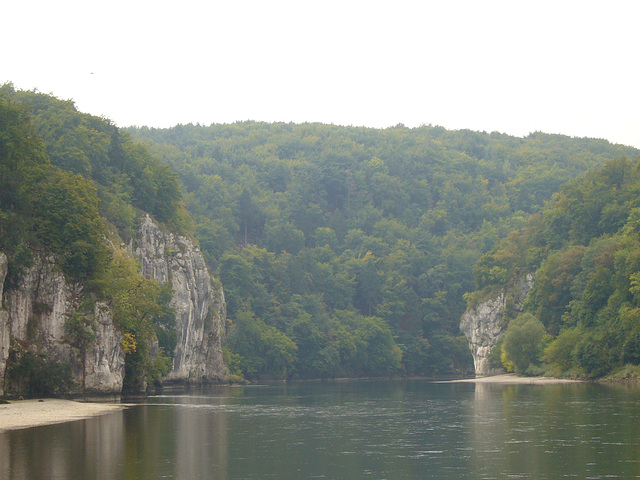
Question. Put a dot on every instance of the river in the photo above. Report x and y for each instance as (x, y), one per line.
(411, 429)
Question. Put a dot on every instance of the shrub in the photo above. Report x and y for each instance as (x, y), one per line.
(522, 342)
(37, 376)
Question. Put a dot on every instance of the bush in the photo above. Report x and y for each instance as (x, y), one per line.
(495, 353)
(35, 376)
(522, 342)
(594, 353)
(560, 353)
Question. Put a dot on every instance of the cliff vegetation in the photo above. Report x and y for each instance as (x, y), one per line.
(581, 317)
(342, 251)
(347, 251)
(72, 190)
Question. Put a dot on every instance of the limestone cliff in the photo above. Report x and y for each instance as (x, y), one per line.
(34, 318)
(34, 321)
(197, 300)
(4, 324)
(483, 325)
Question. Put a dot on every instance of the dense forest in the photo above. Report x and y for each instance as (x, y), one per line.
(72, 186)
(343, 251)
(347, 251)
(582, 316)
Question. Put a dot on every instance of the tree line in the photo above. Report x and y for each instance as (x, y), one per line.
(347, 251)
(343, 251)
(582, 316)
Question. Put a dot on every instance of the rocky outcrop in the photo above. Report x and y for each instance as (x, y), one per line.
(35, 321)
(34, 318)
(197, 300)
(4, 325)
(104, 360)
(483, 325)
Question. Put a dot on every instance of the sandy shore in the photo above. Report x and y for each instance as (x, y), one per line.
(33, 413)
(511, 378)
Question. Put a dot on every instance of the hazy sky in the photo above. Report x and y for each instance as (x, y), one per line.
(513, 66)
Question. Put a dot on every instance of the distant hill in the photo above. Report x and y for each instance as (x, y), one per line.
(330, 240)
(342, 251)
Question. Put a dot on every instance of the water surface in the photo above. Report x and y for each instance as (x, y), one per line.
(375, 429)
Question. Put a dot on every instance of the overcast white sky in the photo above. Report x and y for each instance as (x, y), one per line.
(514, 66)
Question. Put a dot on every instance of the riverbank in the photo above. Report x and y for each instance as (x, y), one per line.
(511, 378)
(34, 413)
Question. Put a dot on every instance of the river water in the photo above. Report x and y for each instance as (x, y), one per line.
(412, 429)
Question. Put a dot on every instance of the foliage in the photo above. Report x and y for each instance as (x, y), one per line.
(559, 354)
(522, 343)
(60, 170)
(79, 331)
(141, 310)
(585, 294)
(342, 250)
(38, 376)
(495, 357)
(44, 206)
(261, 348)
(233, 361)
(385, 224)
(129, 343)
(92, 148)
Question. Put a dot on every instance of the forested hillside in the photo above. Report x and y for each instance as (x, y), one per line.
(582, 316)
(71, 188)
(343, 251)
(347, 251)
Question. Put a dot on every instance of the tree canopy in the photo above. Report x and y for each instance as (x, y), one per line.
(324, 233)
(343, 251)
(58, 175)
(584, 250)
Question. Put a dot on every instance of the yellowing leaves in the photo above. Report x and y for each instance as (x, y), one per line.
(129, 344)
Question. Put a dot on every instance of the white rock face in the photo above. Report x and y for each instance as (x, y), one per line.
(4, 324)
(104, 361)
(483, 325)
(198, 303)
(35, 318)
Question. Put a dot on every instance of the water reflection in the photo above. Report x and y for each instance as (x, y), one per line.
(83, 449)
(176, 439)
(394, 430)
(201, 451)
(555, 431)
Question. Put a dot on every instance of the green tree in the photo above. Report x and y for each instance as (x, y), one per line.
(140, 309)
(65, 208)
(263, 349)
(425, 202)
(522, 343)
